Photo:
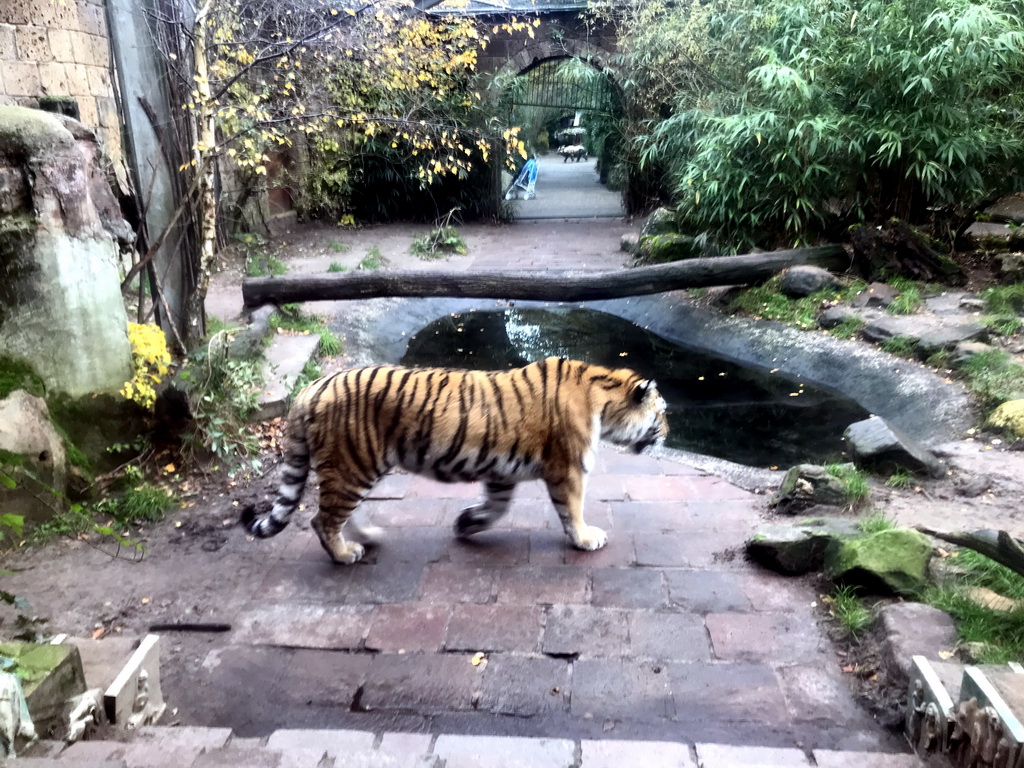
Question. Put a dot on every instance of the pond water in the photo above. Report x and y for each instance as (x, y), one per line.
(716, 407)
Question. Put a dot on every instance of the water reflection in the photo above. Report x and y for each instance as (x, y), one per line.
(716, 407)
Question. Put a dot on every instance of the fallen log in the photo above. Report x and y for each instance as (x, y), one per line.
(995, 545)
(540, 285)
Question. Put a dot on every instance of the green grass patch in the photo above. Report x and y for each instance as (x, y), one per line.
(901, 346)
(767, 302)
(372, 260)
(909, 299)
(855, 482)
(1004, 300)
(848, 611)
(901, 478)
(337, 247)
(847, 329)
(1002, 632)
(941, 359)
(1004, 325)
(876, 523)
(311, 371)
(17, 374)
(291, 318)
(994, 377)
(439, 243)
(336, 267)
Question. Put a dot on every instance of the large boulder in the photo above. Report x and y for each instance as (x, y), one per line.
(992, 235)
(1009, 416)
(799, 548)
(804, 279)
(1009, 208)
(1011, 266)
(887, 562)
(877, 443)
(806, 485)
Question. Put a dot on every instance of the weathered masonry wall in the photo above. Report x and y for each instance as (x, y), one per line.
(60, 48)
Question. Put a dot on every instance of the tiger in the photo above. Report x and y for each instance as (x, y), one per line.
(542, 421)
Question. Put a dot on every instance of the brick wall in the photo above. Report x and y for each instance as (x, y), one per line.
(60, 48)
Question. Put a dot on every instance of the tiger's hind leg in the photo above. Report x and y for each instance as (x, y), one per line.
(338, 499)
(480, 517)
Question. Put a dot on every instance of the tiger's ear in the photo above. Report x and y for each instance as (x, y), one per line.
(640, 390)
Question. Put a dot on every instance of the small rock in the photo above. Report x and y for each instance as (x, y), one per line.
(974, 652)
(876, 295)
(874, 441)
(656, 249)
(948, 335)
(800, 548)
(887, 562)
(965, 350)
(972, 487)
(834, 316)
(1009, 416)
(1009, 208)
(662, 221)
(914, 629)
(805, 485)
(990, 235)
(805, 279)
(972, 303)
(1011, 266)
(629, 242)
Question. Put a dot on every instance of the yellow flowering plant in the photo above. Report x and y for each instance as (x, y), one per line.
(150, 363)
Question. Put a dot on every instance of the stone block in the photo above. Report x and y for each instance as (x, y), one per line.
(581, 630)
(914, 629)
(621, 688)
(704, 592)
(7, 38)
(78, 83)
(247, 757)
(333, 627)
(164, 747)
(87, 111)
(1009, 208)
(54, 79)
(61, 44)
(21, 79)
(81, 48)
(984, 234)
(285, 358)
(100, 51)
(728, 756)
(135, 699)
(816, 692)
(103, 660)
(668, 636)
(453, 583)
(616, 754)
(504, 752)
(336, 743)
(806, 485)
(92, 20)
(826, 758)
(33, 44)
(798, 548)
(769, 637)
(50, 762)
(408, 628)
(515, 628)
(423, 683)
(51, 674)
(628, 588)
(550, 585)
(525, 686)
(803, 280)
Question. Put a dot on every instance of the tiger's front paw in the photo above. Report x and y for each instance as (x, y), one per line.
(590, 538)
(351, 553)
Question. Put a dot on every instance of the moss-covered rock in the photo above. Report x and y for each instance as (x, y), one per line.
(888, 562)
(799, 548)
(655, 249)
(662, 221)
(1009, 416)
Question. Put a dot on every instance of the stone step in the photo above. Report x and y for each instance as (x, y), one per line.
(193, 747)
(284, 360)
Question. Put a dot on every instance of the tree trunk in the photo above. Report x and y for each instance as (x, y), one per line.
(995, 545)
(538, 286)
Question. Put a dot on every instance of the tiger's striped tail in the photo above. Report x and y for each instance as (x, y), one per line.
(293, 481)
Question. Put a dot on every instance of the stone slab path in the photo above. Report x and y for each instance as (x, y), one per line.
(667, 634)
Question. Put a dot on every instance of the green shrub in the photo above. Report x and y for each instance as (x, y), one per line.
(336, 267)
(855, 482)
(800, 104)
(439, 243)
(901, 478)
(372, 260)
(848, 610)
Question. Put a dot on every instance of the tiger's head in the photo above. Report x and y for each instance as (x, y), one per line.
(634, 414)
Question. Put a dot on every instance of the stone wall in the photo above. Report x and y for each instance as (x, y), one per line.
(61, 48)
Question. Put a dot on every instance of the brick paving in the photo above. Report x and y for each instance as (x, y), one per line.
(668, 634)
